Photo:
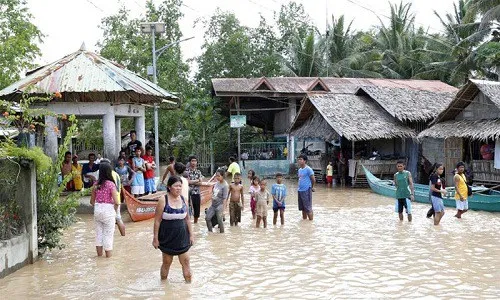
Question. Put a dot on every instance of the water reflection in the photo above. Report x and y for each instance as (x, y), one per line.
(355, 247)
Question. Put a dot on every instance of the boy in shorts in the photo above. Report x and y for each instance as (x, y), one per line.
(262, 199)
(234, 196)
(279, 193)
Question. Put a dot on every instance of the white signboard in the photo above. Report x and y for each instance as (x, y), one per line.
(238, 121)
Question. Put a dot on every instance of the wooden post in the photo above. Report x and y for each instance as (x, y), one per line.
(352, 150)
(239, 130)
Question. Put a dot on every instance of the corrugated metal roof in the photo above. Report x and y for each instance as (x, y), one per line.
(84, 72)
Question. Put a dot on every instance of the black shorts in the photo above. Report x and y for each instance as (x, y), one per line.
(402, 205)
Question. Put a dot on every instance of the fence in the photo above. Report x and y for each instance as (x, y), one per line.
(264, 151)
(18, 225)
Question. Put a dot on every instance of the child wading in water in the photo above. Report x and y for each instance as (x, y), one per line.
(254, 188)
(404, 190)
(235, 194)
(279, 193)
(262, 200)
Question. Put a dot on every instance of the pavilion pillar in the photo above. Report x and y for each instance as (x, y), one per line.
(51, 137)
(292, 112)
(118, 134)
(140, 127)
(109, 136)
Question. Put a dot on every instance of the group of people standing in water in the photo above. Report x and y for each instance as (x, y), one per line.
(405, 191)
(173, 231)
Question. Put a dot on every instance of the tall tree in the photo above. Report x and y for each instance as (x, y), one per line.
(304, 57)
(489, 10)
(452, 55)
(18, 40)
(226, 49)
(293, 23)
(398, 43)
(124, 43)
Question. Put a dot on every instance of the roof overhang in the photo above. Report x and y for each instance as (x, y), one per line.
(472, 129)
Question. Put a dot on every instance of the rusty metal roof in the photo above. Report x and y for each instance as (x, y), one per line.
(84, 76)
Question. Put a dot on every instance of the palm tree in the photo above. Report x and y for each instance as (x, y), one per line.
(451, 54)
(398, 45)
(488, 9)
(304, 57)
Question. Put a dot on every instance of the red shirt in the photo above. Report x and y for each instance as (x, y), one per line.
(150, 173)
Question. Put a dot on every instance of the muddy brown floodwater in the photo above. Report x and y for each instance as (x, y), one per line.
(355, 248)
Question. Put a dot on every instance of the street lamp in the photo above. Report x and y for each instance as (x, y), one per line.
(153, 28)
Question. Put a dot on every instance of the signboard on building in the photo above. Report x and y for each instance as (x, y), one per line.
(238, 121)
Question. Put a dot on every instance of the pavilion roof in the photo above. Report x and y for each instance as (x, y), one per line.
(84, 76)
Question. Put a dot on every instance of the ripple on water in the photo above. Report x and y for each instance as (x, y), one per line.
(354, 248)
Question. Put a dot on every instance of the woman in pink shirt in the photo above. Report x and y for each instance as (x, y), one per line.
(104, 196)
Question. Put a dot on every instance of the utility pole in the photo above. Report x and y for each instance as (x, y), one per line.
(157, 27)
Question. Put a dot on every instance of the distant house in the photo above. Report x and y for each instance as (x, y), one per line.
(316, 114)
(470, 121)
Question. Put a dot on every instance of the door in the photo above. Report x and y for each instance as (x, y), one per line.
(453, 153)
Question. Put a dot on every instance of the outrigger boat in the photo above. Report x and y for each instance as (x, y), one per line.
(482, 199)
(144, 208)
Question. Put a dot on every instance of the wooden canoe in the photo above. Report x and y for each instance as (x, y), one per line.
(143, 208)
(482, 198)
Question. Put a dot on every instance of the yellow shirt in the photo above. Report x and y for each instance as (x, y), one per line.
(233, 169)
(76, 172)
(461, 186)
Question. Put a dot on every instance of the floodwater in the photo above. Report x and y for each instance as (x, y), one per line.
(355, 248)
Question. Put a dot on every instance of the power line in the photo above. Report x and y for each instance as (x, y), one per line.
(97, 7)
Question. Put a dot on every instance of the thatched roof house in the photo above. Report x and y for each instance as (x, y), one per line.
(415, 102)
(366, 109)
(350, 116)
(474, 113)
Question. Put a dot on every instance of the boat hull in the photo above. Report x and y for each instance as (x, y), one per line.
(137, 209)
(140, 210)
(487, 200)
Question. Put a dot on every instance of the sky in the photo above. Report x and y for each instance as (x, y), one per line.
(69, 23)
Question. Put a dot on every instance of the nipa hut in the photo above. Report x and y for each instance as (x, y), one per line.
(468, 129)
(374, 114)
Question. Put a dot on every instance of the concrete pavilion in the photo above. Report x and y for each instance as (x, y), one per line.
(92, 87)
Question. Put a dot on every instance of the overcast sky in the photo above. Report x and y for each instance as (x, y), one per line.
(68, 23)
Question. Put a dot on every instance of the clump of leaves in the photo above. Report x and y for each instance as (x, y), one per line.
(54, 212)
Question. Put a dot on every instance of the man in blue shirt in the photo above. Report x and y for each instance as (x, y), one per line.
(306, 187)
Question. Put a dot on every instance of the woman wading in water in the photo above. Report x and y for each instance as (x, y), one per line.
(172, 231)
(438, 190)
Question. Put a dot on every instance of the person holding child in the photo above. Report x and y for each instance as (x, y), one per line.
(279, 193)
